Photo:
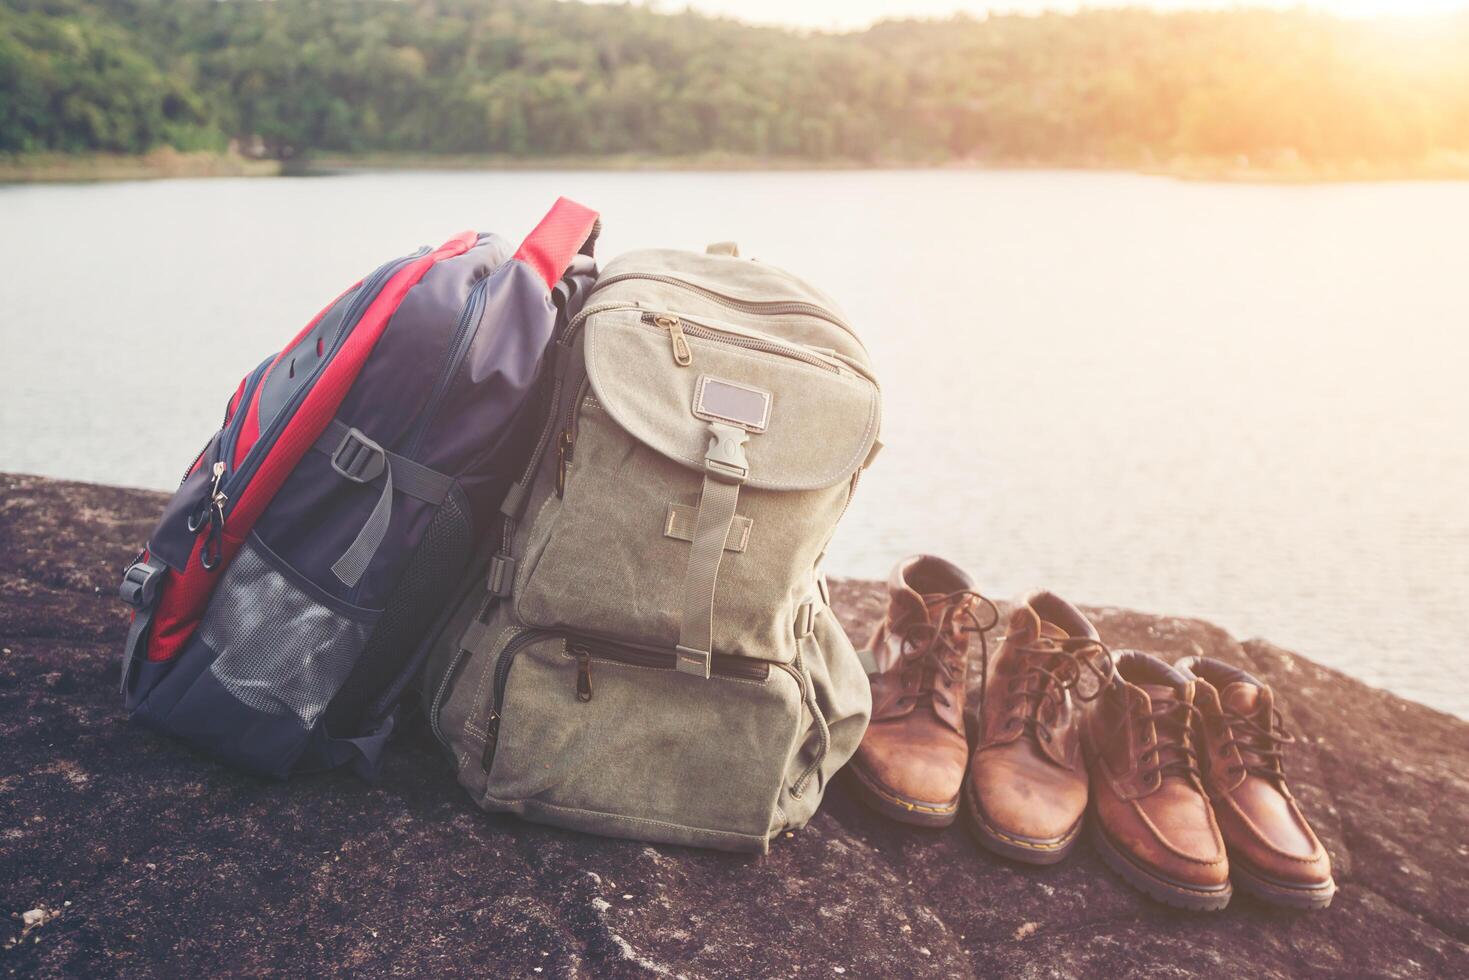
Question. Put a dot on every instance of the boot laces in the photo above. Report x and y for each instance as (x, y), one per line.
(1261, 744)
(1168, 749)
(932, 648)
(1050, 668)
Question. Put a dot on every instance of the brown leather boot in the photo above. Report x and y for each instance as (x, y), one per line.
(1273, 852)
(1027, 788)
(1153, 823)
(910, 764)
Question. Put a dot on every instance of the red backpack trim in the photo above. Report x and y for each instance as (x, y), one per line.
(185, 595)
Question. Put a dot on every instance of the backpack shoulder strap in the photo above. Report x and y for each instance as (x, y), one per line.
(568, 229)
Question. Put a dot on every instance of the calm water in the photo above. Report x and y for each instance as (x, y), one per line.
(1242, 403)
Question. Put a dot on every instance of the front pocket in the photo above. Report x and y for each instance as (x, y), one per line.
(281, 650)
(648, 752)
(252, 682)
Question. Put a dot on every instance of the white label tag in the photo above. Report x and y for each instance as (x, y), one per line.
(716, 400)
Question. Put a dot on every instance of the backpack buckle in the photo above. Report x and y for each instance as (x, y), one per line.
(140, 583)
(725, 459)
(358, 458)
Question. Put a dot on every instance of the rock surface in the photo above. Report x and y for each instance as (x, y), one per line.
(123, 852)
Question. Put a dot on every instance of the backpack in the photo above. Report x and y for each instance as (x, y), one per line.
(656, 657)
(279, 600)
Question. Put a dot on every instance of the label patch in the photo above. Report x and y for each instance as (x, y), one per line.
(716, 400)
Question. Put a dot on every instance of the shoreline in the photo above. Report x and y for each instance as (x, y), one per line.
(55, 483)
(166, 163)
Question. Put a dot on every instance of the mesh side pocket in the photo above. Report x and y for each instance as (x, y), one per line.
(430, 580)
(281, 651)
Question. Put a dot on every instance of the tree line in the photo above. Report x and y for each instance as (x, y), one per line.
(540, 78)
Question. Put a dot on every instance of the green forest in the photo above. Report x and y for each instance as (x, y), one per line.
(284, 79)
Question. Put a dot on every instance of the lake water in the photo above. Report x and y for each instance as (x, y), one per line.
(1243, 403)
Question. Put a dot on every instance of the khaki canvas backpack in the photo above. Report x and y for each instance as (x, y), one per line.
(656, 657)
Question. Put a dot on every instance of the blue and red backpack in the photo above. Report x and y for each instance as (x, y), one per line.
(279, 602)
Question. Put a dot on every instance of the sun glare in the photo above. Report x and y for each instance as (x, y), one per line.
(1382, 8)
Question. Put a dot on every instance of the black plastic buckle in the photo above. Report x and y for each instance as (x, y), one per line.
(358, 458)
(140, 583)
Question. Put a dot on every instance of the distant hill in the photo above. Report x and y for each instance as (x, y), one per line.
(538, 78)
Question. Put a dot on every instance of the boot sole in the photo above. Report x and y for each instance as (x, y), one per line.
(1280, 893)
(1156, 886)
(1028, 850)
(898, 807)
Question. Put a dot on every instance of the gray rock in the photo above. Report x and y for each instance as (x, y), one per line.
(166, 863)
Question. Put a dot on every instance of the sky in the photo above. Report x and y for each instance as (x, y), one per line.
(856, 14)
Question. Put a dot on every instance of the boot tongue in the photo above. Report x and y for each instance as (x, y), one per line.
(936, 605)
(1244, 698)
(906, 606)
(1255, 703)
(1053, 631)
(1026, 625)
(1160, 693)
(1167, 732)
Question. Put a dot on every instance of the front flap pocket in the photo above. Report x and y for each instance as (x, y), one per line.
(811, 417)
(703, 468)
(611, 557)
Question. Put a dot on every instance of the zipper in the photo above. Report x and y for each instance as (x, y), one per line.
(502, 674)
(679, 330)
(762, 307)
(225, 482)
(250, 380)
(365, 295)
(507, 535)
(228, 436)
(237, 423)
(443, 690)
(209, 555)
(566, 442)
(562, 349)
(682, 356)
(458, 348)
(587, 649)
(823, 733)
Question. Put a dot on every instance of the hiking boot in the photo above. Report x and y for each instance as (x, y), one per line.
(1273, 852)
(1027, 787)
(911, 762)
(1152, 820)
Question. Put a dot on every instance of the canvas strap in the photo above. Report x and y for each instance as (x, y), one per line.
(725, 469)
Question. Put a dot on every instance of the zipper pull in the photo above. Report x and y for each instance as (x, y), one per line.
(683, 356)
(583, 674)
(217, 498)
(563, 460)
(492, 736)
(213, 501)
(213, 516)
